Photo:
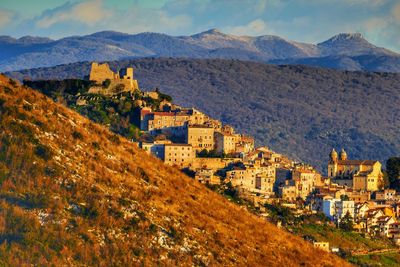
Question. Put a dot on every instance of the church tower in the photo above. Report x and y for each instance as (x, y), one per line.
(332, 164)
(343, 154)
(333, 156)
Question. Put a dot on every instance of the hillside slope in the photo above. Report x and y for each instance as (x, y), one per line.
(300, 111)
(73, 193)
(31, 52)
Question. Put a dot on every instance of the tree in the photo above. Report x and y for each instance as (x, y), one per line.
(384, 182)
(346, 223)
(393, 171)
(106, 83)
(344, 198)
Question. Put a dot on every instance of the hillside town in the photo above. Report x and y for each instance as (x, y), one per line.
(215, 154)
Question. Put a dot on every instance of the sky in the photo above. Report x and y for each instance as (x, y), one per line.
(311, 21)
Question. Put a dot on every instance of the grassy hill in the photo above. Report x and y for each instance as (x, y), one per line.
(299, 111)
(73, 193)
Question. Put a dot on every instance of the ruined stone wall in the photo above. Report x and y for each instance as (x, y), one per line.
(101, 72)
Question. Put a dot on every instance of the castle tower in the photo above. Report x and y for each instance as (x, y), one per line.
(343, 155)
(127, 78)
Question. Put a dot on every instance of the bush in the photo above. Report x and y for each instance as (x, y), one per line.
(106, 83)
(43, 152)
(96, 145)
(12, 82)
(115, 139)
(77, 135)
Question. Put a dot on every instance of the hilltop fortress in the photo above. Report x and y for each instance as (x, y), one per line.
(109, 82)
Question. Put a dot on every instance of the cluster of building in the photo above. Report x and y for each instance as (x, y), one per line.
(216, 154)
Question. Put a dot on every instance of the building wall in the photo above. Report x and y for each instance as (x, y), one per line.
(253, 179)
(181, 155)
(322, 245)
(344, 207)
(101, 72)
(225, 143)
(289, 193)
(212, 163)
(200, 137)
(360, 183)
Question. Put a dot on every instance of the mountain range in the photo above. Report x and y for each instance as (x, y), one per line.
(300, 111)
(348, 51)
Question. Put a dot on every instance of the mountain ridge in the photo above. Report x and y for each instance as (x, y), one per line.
(30, 52)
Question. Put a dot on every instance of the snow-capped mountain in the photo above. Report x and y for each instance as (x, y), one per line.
(344, 51)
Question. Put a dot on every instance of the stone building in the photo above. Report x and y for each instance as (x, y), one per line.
(305, 181)
(255, 179)
(288, 192)
(244, 144)
(322, 245)
(163, 122)
(336, 209)
(156, 148)
(206, 176)
(122, 80)
(358, 174)
(180, 155)
(225, 143)
(200, 137)
(101, 72)
(172, 122)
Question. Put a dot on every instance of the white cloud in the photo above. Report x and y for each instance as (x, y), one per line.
(253, 28)
(138, 19)
(5, 17)
(89, 13)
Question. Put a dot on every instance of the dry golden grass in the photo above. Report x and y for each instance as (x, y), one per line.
(108, 203)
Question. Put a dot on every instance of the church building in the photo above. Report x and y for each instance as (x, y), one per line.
(363, 175)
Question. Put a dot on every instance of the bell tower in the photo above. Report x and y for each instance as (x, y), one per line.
(343, 154)
(332, 164)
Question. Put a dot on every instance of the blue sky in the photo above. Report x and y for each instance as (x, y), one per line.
(301, 20)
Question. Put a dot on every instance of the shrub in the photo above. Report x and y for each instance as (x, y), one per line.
(77, 135)
(115, 139)
(12, 82)
(106, 83)
(96, 145)
(43, 152)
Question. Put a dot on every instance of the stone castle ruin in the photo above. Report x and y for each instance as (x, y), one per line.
(109, 82)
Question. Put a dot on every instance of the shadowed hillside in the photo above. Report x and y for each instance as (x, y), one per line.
(73, 193)
(299, 111)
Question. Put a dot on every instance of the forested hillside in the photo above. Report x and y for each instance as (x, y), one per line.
(299, 111)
